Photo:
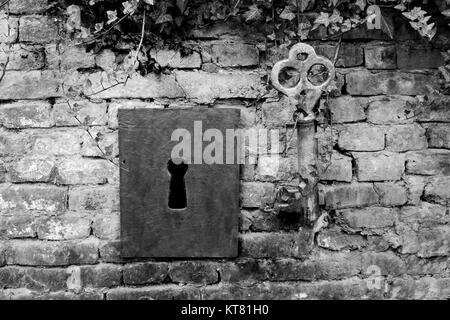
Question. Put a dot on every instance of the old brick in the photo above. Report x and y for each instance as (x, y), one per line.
(52, 279)
(17, 226)
(29, 85)
(100, 276)
(145, 273)
(428, 162)
(69, 58)
(107, 226)
(436, 111)
(425, 213)
(9, 29)
(418, 266)
(22, 57)
(412, 56)
(32, 198)
(63, 227)
(96, 198)
(339, 168)
(85, 171)
(428, 288)
(174, 59)
(27, 6)
(438, 136)
(257, 194)
(106, 60)
(336, 240)
(336, 265)
(428, 241)
(13, 143)
(194, 272)
(32, 170)
(391, 194)
(137, 86)
(388, 263)
(406, 137)
(110, 251)
(365, 83)
(265, 220)
(347, 109)
(438, 190)
(279, 113)
(38, 29)
(349, 195)
(350, 55)
(380, 57)
(368, 218)
(269, 245)
(379, 166)
(56, 142)
(51, 253)
(234, 54)
(206, 87)
(100, 143)
(390, 110)
(361, 137)
(161, 292)
(245, 270)
(88, 113)
(275, 168)
(415, 187)
(26, 115)
(25, 294)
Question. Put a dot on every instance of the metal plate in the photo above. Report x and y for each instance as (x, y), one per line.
(208, 226)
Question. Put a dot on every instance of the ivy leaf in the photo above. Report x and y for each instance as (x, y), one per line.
(98, 27)
(304, 27)
(253, 13)
(164, 18)
(323, 18)
(304, 4)
(112, 16)
(287, 14)
(181, 4)
(361, 4)
(387, 27)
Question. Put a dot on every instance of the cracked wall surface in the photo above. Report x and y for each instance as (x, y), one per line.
(385, 182)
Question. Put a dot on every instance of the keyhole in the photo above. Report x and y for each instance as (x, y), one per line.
(177, 187)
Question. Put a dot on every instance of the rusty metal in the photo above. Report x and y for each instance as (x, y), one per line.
(302, 58)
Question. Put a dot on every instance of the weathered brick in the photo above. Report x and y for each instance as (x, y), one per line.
(405, 137)
(347, 109)
(137, 86)
(100, 276)
(194, 272)
(206, 87)
(349, 195)
(339, 168)
(174, 59)
(391, 110)
(245, 270)
(336, 240)
(391, 194)
(110, 251)
(41, 279)
(438, 190)
(437, 110)
(428, 241)
(63, 227)
(368, 218)
(88, 113)
(100, 143)
(96, 198)
(415, 187)
(51, 253)
(336, 265)
(438, 136)
(275, 168)
(257, 194)
(26, 115)
(25, 294)
(22, 57)
(279, 113)
(9, 29)
(234, 54)
(379, 166)
(145, 273)
(29, 85)
(113, 121)
(55, 142)
(350, 55)
(27, 6)
(265, 220)
(38, 29)
(31, 169)
(428, 162)
(161, 292)
(419, 267)
(13, 143)
(388, 263)
(107, 226)
(69, 57)
(380, 57)
(85, 171)
(270, 245)
(427, 288)
(106, 60)
(32, 198)
(17, 226)
(412, 56)
(427, 214)
(365, 83)
(361, 137)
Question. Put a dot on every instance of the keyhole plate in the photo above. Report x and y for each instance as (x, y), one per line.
(208, 225)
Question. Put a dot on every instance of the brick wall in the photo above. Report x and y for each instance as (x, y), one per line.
(387, 189)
